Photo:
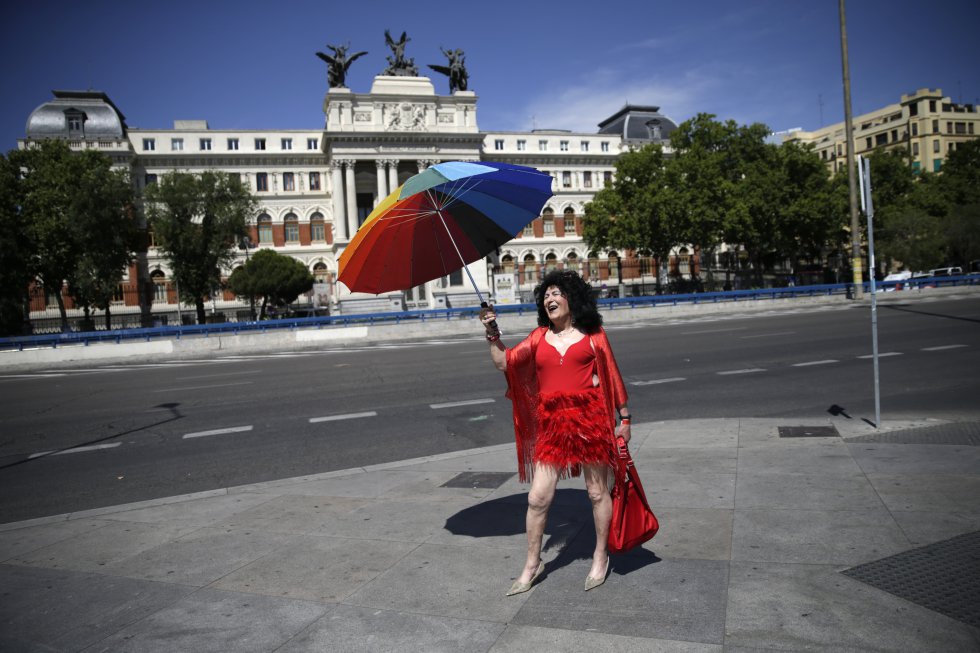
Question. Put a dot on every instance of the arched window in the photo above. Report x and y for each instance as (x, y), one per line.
(548, 221)
(320, 274)
(550, 262)
(569, 221)
(572, 262)
(593, 265)
(530, 269)
(507, 264)
(613, 264)
(159, 280)
(265, 229)
(683, 261)
(291, 224)
(318, 232)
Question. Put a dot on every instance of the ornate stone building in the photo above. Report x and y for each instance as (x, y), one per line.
(315, 187)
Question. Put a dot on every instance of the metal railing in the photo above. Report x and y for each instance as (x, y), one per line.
(421, 316)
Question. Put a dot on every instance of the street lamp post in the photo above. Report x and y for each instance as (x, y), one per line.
(245, 243)
(851, 171)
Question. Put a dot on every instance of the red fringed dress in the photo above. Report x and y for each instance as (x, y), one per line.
(560, 419)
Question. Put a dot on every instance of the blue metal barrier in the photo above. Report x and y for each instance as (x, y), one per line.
(471, 312)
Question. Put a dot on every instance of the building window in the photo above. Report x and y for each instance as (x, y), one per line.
(960, 128)
(566, 179)
(291, 223)
(881, 139)
(530, 269)
(894, 136)
(314, 181)
(320, 273)
(935, 146)
(177, 144)
(507, 264)
(313, 143)
(563, 146)
(916, 167)
(232, 143)
(288, 181)
(937, 165)
(521, 145)
(969, 127)
(149, 144)
(205, 143)
(149, 179)
(543, 146)
(159, 286)
(551, 262)
(287, 143)
(935, 126)
(548, 220)
(604, 146)
(456, 278)
(950, 146)
(914, 109)
(867, 143)
(932, 106)
(261, 181)
(915, 129)
(587, 179)
(915, 149)
(949, 128)
(569, 221)
(606, 177)
(585, 146)
(74, 123)
(260, 143)
(265, 229)
(498, 144)
(529, 230)
(571, 262)
(317, 230)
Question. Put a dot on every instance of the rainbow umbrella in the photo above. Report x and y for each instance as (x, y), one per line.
(438, 221)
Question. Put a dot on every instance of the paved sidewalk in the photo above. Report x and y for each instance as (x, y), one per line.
(411, 556)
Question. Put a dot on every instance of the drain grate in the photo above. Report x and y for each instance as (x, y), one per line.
(808, 432)
(490, 480)
(941, 576)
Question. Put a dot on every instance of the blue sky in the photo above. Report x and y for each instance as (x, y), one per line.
(567, 65)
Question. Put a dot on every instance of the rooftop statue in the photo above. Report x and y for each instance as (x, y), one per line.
(338, 63)
(456, 70)
(398, 65)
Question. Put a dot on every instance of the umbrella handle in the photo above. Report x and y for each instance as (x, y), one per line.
(493, 323)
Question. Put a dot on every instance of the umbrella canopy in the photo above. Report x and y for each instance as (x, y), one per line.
(450, 214)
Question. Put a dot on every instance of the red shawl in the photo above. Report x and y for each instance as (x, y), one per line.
(522, 390)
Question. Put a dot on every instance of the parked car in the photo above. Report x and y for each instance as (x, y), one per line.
(896, 276)
(945, 272)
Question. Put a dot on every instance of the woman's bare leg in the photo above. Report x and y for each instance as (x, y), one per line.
(539, 497)
(596, 482)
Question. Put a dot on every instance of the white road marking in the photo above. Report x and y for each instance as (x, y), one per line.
(28, 376)
(470, 402)
(655, 381)
(768, 335)
(748, 370)
(823, 362)
(208, 376)
(941, 348)
(883, 354)
(232, 429)
(91, 447)
(691, 333)
(333, 418)
(203, 387)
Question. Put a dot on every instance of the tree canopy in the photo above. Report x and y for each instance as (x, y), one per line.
(197, 221)
(276, 279)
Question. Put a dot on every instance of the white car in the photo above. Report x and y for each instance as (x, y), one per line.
(896, 276)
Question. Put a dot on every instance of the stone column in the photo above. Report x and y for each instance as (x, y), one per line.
(382, 192)
(337, 197)
(351, 193)
(422, 164)
(392, 175)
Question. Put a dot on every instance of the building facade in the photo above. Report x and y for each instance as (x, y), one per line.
(927, 125)
(315, 187)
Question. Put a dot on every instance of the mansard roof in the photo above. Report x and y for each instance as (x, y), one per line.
(636, 123)
(100, 117)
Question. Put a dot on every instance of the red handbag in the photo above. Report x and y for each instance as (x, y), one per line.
(633, 523)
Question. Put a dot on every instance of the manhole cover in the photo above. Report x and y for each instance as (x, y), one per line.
(941, 576)
(490, 480)
(808, 432)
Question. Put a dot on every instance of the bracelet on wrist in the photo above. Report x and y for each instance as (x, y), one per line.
(625, 418)
(493, 337)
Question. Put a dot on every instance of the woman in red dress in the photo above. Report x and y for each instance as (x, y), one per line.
(567, 394)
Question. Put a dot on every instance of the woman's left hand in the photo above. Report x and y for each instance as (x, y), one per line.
(623, 431)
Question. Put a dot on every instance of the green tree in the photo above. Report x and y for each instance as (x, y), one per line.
(276, 279)
(197, 221)
(74, 205)
(959, 185)
(635, 212)
(15, 270)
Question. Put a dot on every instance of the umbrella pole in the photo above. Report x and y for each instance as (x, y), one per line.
(472, 281)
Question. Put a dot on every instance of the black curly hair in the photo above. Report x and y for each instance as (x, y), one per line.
(585, 314)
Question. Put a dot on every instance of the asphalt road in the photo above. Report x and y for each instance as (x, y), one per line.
(84, 438)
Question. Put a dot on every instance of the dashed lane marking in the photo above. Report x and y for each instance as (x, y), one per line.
(232, 429)
(768, 335)
(885, 354)
(809, 363)
(91, 447)
(656, 381)
(334, 418)
(942, 347)
(748, 370)
(453, 404)
(203, 387)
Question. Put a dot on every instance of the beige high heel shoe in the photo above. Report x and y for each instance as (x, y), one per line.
(592, 583)
(519, 587)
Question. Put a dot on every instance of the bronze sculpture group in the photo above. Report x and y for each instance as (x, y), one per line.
(398, 65)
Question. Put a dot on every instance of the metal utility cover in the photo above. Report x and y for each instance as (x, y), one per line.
(955, 433)
(808, 432)
(941, 576)
(490, 480)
